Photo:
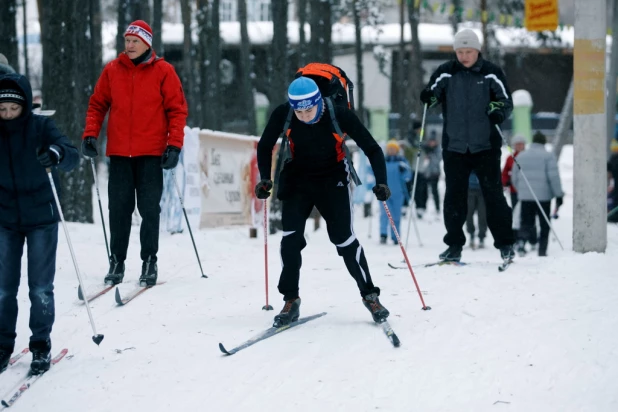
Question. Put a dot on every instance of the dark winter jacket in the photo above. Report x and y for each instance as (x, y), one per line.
(316, 152)
(465, 95)
(26, 197)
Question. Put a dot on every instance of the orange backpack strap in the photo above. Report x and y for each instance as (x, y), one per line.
(340, 136)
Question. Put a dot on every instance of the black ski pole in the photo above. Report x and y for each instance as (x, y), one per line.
(182, 203)
(96, 338)
(96, 185)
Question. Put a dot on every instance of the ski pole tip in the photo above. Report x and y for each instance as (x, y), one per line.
(204, 276)
(97, 339)
(267, 307)
(426, 308)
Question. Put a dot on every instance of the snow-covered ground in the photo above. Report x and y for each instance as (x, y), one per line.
(542, 336)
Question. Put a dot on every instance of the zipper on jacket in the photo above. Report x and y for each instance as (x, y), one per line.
(132, 103)
(11, 166)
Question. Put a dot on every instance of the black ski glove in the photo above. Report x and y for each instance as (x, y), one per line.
(262, 189)
(169, 160)
(382, 192)
(50, 156)
(495, 112)
(428, 97)
(89, 147)
(559, 201)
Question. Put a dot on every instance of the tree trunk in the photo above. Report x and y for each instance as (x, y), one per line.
(485, 47)
(246, 68)
(188, 72)
(416, 61)
(214, 55)
(67, 85)
(358, 50)
(202, 52)
(402, 78)
(321, 31)
(123, 21)
(8, 32)
(565, 122)
(279, 54)
(157, 26)
(25, 38)
(456, 17)
(302, 40)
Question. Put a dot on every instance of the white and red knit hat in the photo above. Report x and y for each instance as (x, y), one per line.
(141, 29)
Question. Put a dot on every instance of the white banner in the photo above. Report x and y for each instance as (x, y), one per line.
(226, 178)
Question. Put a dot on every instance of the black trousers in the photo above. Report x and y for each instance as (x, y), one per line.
(527, 230)
(424, 186)
(129, 177)
(334, 204)
(486, 165)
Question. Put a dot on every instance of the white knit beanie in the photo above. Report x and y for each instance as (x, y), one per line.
(466, 38)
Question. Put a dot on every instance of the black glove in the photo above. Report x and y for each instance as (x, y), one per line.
(559, 201)
(382, 192)
(169, 160)
(50, 156)
(262, 189)
(428, 97)
(495, 112)
(89, 147)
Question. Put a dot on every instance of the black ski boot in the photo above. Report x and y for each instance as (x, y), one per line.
(481, 243)
(521, 248)
(5, 357)
(507, 253)
(379, 312)
(289, 313)
(149, 273)
(41, 357)
(452, 254)
(116, 271)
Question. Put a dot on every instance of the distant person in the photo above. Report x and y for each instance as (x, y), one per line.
(476, 205)
(429, 169)
(147, 115)
(398, 173)
(541, 170)
(612, 168)
(29, 144)
(475, 98)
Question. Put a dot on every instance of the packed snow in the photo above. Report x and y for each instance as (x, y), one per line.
(542, 336)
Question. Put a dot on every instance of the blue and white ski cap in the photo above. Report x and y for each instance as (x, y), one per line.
(303, 94)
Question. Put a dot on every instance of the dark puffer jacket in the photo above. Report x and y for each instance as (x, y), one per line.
(26, 197)
(465, 95)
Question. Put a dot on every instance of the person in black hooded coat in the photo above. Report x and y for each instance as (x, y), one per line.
(29, 144)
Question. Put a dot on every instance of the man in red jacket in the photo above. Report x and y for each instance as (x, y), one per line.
(147, 115)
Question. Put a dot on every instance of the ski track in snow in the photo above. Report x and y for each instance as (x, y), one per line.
(542, 336)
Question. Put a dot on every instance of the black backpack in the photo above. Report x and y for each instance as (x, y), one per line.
(335, 87)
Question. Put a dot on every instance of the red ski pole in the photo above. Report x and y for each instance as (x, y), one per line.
(405, 255)
(267, 306)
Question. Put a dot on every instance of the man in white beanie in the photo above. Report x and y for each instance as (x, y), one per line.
(475, 97)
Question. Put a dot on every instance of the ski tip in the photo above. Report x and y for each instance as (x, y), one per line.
(118, 298)
(6, 405)
(222, 349)
(80, 294)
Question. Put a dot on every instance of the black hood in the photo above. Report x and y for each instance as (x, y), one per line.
(20, 82)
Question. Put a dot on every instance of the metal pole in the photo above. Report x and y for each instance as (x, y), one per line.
(184, 211)
(412, 218)
(590, 127)
(96, 338)
(267, 306)
(96, 185)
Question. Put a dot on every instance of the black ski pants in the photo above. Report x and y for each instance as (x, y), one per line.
(424, 186)
(333, 201)
(129, 177)
(476, 204)
(486, 165)
(527, 231)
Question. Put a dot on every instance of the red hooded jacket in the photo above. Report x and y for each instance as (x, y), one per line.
(506, 172)
(146, 104)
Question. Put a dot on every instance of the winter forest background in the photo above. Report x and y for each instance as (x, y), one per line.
(231, 85)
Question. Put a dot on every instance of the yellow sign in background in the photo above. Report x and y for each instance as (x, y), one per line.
(589, 76)
(541, 15)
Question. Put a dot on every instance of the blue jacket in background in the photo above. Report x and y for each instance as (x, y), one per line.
(26, 197)
(398, 172)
